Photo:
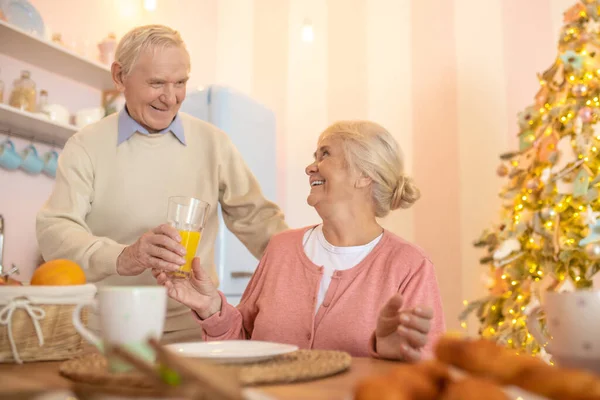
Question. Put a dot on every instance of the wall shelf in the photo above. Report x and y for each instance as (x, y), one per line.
(34, 127)
(52, 57)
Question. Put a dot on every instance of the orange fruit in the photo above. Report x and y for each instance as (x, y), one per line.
(58, 273)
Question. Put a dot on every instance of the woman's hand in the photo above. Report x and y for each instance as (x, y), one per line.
(198, 293)
(400, 334)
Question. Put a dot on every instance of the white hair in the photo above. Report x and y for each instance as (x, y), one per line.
(374, 153)
(142, 38)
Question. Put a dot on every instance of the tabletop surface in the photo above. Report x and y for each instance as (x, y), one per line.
(44, 376)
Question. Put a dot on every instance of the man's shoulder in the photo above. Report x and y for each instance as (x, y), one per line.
(204, 136)
(103, 132)
(196, 127)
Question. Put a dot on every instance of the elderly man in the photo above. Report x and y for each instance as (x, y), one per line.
(108, 208)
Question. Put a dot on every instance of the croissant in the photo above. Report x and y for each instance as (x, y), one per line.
(484, 358)
(471, 388)
(489, 367)
(559, 383)
(423, 381)
(436, 371)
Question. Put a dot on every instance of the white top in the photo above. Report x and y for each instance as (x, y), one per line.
(332, 258)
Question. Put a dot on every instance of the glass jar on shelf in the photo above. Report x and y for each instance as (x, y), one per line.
(42, 102)
(23, 95)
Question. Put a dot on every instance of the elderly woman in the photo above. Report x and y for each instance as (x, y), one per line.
(346, 284)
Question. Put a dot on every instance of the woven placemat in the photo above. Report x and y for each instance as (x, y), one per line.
(301, 365)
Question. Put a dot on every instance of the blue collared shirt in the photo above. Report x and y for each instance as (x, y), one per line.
(128, 127)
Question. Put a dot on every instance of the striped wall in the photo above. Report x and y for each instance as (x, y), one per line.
(447, 77)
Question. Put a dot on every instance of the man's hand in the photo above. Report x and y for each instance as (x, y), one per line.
(159, 248)
(198, 293)
(400, 334)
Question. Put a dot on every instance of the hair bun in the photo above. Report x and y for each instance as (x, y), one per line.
(405, 194)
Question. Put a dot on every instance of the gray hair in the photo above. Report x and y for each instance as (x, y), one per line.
(142, 38)
(373, 152)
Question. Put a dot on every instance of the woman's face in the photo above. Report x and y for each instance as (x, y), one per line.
(331, 178)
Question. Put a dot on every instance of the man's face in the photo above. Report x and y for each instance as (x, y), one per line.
(155, 87)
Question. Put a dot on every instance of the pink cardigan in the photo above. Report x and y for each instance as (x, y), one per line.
(279, 302)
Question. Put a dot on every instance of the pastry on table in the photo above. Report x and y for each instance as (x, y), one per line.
(484, 358)
(423, 381)
(560, 383)
(487, 359)
(473, 388)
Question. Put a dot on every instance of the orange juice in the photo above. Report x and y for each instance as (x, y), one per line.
(189, 240)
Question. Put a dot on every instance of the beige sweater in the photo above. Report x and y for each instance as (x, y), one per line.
(106, 196)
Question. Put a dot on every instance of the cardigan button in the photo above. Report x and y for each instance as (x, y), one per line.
(309, 336)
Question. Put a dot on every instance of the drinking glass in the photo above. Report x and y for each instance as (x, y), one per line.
(188, 216)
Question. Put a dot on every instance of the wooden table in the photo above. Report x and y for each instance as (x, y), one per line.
(43, 376)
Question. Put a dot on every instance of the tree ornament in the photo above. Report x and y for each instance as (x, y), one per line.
(586, 114)
(542, 96)
(592, 26)
(579, 90)
(546, 175)
(548, 213)
(574, 13)
(590, 217)
(565, 154)
(506, 248)
(534, 184)
(564, 187)
(578, 125)
(546, 146)
(572, 59)
(592, 250)
(502, 170)
(526, 117)
(593, 235)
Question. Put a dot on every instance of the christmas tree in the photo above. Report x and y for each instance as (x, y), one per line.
(549, 237)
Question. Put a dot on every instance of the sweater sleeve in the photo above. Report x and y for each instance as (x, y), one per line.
(60, 226)
(246, 212)
(238, 322)
(421, 290)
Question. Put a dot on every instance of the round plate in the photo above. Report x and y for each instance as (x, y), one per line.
(232, 351)
(23, 15)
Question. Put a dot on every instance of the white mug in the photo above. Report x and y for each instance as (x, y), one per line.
(572, 319)
(128, 316)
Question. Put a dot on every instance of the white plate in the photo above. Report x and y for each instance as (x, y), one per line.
(232, 351)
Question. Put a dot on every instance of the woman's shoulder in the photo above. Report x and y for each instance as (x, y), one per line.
(397, 246)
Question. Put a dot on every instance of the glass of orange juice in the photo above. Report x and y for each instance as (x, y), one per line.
(187, 215)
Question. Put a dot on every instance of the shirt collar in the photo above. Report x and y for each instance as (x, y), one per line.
(128, 127)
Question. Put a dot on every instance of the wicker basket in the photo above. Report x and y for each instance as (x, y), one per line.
(35, 322)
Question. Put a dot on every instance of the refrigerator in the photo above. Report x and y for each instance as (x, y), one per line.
(252, 129)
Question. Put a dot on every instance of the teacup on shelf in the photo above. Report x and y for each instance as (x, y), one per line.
(57, 113)
(88, 116)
